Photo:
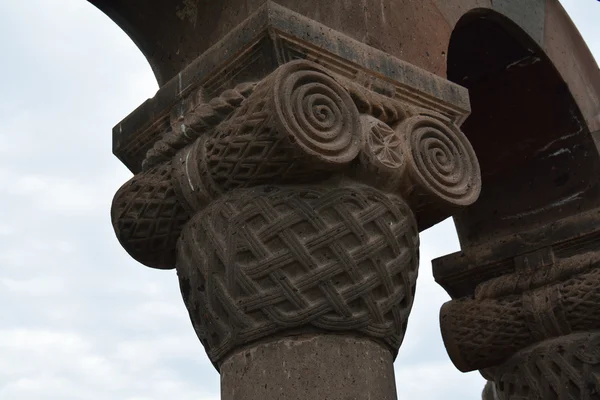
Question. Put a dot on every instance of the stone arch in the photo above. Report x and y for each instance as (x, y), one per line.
(548, 25)
(534, 127)
(537, 155)
(530, 19)
(533, 139)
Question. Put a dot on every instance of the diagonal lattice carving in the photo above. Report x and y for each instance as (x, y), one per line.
(566, 368)
(199, 120)
(269, 259)
(483, 333)
(147, 218)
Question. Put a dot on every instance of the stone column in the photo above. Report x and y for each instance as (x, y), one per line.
(290, 204)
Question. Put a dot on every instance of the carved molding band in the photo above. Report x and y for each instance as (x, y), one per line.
(268, 259)
(300, 124)
(552, 271)
(563, 368)
(380, 106)
(483, 333)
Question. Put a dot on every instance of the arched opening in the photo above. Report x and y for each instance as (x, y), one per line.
(537, 158)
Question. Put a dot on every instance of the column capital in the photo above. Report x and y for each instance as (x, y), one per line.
(286, 175)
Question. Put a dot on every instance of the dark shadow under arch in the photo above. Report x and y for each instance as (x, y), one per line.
(538, 160)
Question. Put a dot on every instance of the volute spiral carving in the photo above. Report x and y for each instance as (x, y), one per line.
(285, 205)
(317, 113)
(442, 162)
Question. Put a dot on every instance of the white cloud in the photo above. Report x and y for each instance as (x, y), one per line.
(436, 380)
(56, 194)
(586, 14)
(32, 288)
(44, 364)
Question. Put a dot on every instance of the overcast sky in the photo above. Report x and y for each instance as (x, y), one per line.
(79, 319)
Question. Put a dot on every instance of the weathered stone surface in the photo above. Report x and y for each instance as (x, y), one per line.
(298, 200)
(148, 218)
(563, 44)
(310, 367)
(563, 368)
(484, 332)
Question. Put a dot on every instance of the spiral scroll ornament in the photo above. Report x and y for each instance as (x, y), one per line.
(317, 112)
(195, 122)
(441, 160)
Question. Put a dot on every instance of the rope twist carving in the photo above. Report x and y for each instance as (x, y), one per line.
(200, 120)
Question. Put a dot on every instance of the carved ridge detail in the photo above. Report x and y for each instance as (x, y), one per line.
(442, 163)
(483, 333)
(201, 119)
(331, 244)
(564, 368)
(262, 260)
(147, 218)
